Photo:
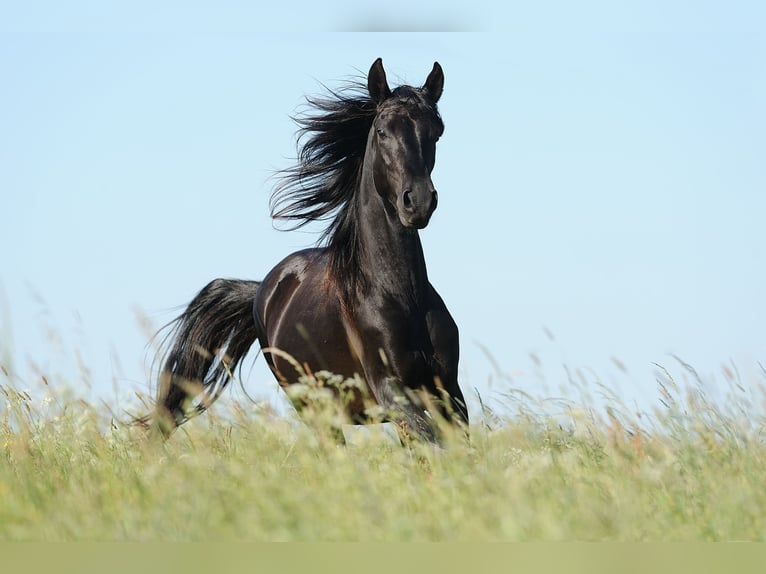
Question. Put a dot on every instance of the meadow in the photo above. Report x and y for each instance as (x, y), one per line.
(542, 470)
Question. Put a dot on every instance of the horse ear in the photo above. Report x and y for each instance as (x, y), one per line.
(377, 83)
(434, 83)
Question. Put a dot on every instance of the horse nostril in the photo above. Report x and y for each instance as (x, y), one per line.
(406, 199)
(434, 196)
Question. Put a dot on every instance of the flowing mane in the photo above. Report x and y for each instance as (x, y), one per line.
(332, 140)
(322, 186)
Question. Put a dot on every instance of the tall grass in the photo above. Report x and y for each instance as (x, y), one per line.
(691, 469)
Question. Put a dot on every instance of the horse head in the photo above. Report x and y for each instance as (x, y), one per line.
(402, 144)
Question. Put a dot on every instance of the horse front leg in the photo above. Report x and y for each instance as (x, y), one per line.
(445, 342)
(401, 405)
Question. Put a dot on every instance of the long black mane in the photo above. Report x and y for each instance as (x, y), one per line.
(332, 138)
(322, 186)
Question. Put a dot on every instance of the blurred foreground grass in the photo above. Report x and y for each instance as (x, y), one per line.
(688, 471)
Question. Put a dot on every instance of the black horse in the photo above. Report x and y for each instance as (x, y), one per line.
(361, 304)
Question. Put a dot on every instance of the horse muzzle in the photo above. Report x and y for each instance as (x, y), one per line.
(416, 204)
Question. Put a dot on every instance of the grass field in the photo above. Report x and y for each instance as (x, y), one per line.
(689, 470)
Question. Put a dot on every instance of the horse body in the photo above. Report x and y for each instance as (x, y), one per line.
(363, 303)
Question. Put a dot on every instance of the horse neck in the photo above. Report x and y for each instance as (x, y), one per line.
(391, 256)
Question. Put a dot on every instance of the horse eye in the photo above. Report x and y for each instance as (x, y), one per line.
(380, 132)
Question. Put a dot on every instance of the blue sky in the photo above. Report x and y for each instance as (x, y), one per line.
(601, 180)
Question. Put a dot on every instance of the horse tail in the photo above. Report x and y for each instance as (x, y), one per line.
(206, 344)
